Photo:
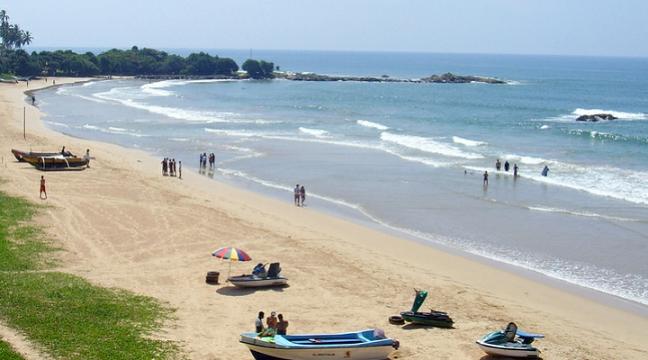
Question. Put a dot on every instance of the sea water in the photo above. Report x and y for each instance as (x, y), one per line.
(410, 157)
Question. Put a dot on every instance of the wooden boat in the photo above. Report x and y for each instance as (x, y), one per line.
(510, 342)
(56, 163)
(359, 345)
(18, 154)
(260, 278)
(431, 318)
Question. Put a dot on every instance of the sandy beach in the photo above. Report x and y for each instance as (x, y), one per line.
(121, 224)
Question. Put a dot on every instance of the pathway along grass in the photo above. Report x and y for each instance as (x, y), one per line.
(7, 353)
(69, 317)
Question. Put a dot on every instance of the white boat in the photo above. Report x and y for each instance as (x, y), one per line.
(260, 278)
(360, 345)
(510, 342)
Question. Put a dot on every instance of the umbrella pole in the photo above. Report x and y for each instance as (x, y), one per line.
(230, 269)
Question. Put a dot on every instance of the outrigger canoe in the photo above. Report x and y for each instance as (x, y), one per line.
(56, 163)
(360, 345)
(19, 154)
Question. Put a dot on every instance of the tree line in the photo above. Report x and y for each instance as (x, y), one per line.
(132, 62)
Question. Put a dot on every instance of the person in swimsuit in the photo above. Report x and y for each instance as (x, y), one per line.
(515, 170)
(545, 171)
(485, 178)
(282, 325)
(506, 166)
(42, 188)
(302, 194)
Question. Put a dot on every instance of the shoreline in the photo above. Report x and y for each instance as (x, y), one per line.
(465, 287)
(332, 209)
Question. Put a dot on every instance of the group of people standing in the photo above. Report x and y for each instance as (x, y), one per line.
(507, 166)
(300, 195)
(204, 158)
(169, 168)
(498, 167)
(275, 325)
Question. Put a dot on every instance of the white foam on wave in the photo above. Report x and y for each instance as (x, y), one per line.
(179, 139)
(528, 160)
(113, 130)
(57, 123)
(467, 142)
(620, 115)
(314, 132)
(156, 89)
(116, 95)
(605, 181)
(373, 125)
(577, 213)
(64, 90)
(427, 145)
(544, 127)
(628, 286)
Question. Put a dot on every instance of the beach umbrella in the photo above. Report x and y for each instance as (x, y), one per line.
(232, 254)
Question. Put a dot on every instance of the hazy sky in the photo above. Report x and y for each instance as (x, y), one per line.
(574, 27)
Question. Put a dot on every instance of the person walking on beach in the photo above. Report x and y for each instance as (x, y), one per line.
(164, 167)
(87, 157)
(498, 165)
(297, 194)
(43, 191)
(282, 325)
(506, 166)
(302, 195)
(258, 323)
(179, 169)
(33, 99)
(515, 170)
(545, 171)
(485, 178)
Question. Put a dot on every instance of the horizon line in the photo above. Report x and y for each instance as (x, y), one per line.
(164, 48)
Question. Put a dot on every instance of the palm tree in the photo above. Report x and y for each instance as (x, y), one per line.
(26, 38)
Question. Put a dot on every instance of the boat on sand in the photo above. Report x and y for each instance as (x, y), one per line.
(260, 278)
(510, 342)
(19, 154)
(371, 344)
(56, 163)
(431, 318)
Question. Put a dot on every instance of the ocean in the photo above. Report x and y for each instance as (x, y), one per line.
(409, 157)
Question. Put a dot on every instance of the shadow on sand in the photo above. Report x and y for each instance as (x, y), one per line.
(411, 326)
(236, 291)
(489, 357)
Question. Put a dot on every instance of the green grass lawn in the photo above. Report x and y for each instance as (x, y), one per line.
(6, 353)
(21, 245)
(68, 316)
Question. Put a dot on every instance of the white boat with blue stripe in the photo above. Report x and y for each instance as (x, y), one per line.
(360, 345)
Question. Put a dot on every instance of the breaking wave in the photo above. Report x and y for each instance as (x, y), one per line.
(372, 125)
(427, 145)
(315, 132)
(467, 142)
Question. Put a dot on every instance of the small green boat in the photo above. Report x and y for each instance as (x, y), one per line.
(432, 318)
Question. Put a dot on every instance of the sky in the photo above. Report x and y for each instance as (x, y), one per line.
(556, 27)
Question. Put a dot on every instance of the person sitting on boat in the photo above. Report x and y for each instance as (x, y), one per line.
(271, 330)
(282, 325)
(258, 323)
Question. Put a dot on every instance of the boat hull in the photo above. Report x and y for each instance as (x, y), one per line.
(57, 163)
(505, 351)
(370, 353)
(442, 320)
(19, 155)
(246, 282)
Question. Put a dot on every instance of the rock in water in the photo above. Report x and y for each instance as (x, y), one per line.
(596, 117)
